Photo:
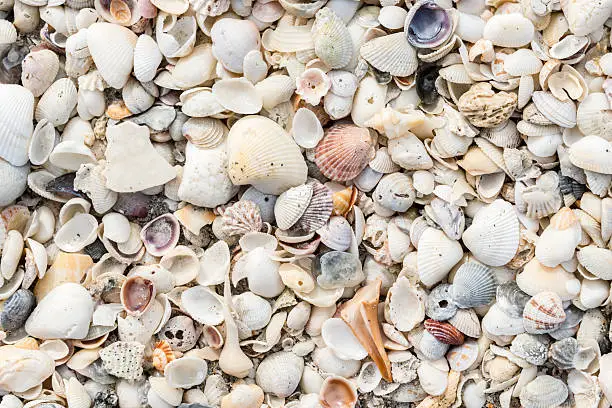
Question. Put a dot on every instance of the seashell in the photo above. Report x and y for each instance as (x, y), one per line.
(36, 366)
(537, 278)
(473, 285)
(306, 130)
(319, 209)
(395, 192)
(230, 49)
(17, 309)
(147, 58)
(337, 392)
(237, 95)
(38, 71)
(395, 124)
(433, 380)
(291, 205)
(331, 38)
(186, 372)
(337, 107)
(70, 155)
(428, 25)
(344, 152)
(592, 153)
(595, 260)
(161, 234)
(275, 90)
(436, 256)
(137, 295)
(298, 316)
(369, 99)
(337, 335)
(270, 170)
(254, 66)
(543, 391)
(485, 108)
(77, 233)
(403, 295)
(360, 313)
(511, 299)
(522, 62)
(509, 30)
(112, 49)
(247, 396)
(279, 373)
(558, 112)
(162, 355)
(252, 310)
(391, 53)
(496, 220)
(241, 218)
(584, 17)
(558, 241)
(203, 305)
(175, 35)
(16, 124)
(312, 85)
(444, 332)
(532, 348)
(179, 332)
(76, 394)
(466, 321)
(592, 114)
(499, 323)
(123, 359)
(543, 313)
(262, 273)
(461, 357)
(339, 270)
(343, 83)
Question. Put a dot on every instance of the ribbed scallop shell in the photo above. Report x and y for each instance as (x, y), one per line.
(592, 153)
(13, 181)
(344, 152)
(598, 261)
(562, 353)
(436, 256)
(543, 313)
(16, 112)
(561, 113)
(504, 135)
(252, 310)
(112, 49)
(241, 218)
(383, 163)
(444, 332)
(593, 114)
(261, 153)
(473, 285)
(204, 132)
(494, 234)
(292, 204)
(332, 40)
(162, 355)
(147, 58)
(467, 322)
(319, 209)
(391, 53)
(544, 392)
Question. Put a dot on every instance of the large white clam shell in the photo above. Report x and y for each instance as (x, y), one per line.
(77, 233)
(147, 58)
(13, 181)
(509, 30)
(238, 95)
(338, 336)
(203, 305)
(186, 372)
(16, 113)
(436, 255)
(112, 49)
(232, 40)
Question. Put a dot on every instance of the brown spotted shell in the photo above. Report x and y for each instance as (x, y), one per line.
(444, 332)
(543, 313)
(241, 218)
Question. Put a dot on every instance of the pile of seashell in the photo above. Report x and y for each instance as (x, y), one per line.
(305, 203)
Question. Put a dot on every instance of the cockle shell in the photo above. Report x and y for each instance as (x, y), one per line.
(395, 192)
(343, 152)
(543, 313)
(436, 256)
(331, 38)
(39, 70)
(391, 53)
(229, 48)
(15, 123)
(112, 49)
(252, 310)
(559, 112)
(544, 391)
(291, 205)
(592, 153)
(14, 181)
(242, 218)
(186, 372)
(473, 285)
(270, 161)
(279, 373)
(147, 58)
(596, 261)
(444, 332)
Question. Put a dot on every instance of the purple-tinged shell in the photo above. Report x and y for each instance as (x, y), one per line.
(428, 25)
(161, 234)
(137, 294)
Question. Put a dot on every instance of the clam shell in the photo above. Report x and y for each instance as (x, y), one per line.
(175, 35)
(112, 49)
(444, 332)
(252, 310)
(543, 313)
(428, 25)
(592, 153)
(186, 372)
(161, 234)
(559, 239)
(369, 99)
(544, 391)
(39, 70)
(331, 38)
(343, 83)
(425, 342)
(395, 192)
(203, 305)
(461, 357)
(473, 285)
(291, 205)
(409, 152)
(401, 297)
(270, 161)
(306, 129)
(436, 256)
(17, 309)
(337, 391)
(537, 278)
(596, 261)
(182, 262)
(343, 152)
(391, 53)
(137, 295)
(279, 373)
(592, 114)
(509, 30)
(42, 142)
(532, 348)
(496, 223)
(70, 155)
(147, 58)
(14, 181)
(498, 323)
(338, 336)
(77, 233)
(237, 95)
(561, 113)
(275, 90)
(232, 40)
(336, 234)
(16, 113)
(522, 62)
(466, 321)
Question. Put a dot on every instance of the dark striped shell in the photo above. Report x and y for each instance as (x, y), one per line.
(17, 309)
(444, 332)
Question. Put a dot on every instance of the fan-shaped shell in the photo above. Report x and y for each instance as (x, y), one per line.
(332, 41)
(563, 113)
(395, 192)
(112, 49)
(291, 205)
(39, 70)
(461, 357)
(467, 322)
(319, 209)
(596, 260)
(13, 181)
(544, 391)
(592, 153)
(344, 152)
(436, 256)
(280, 373)
(493, 236)
(252, 310)
(147, 58)
(473, 285)
(262, 154)
(391, 53)
(444, 332)
(16, 114)
(543, 313)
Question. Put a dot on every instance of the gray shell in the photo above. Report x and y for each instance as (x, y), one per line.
(511, 299)
(474, 285)
(339, 270)
(17, 309)
(562, 353)
(440, 305)
(532, 348)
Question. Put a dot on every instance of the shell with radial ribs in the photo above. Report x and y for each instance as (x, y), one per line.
(241, 218)
(344, 152)
(543, 313)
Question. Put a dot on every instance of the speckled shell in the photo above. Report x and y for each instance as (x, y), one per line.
(532, 348)
(461, 357)
(473, 285)
(485, 108)
(444, 332)
(543, 313)
(123, 359)
(332, 40)
(344, 152)
(395, 192)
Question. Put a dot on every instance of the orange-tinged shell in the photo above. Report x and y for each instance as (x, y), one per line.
(543, 313)
(120, 10)
(117, 110)
(241, 218)
(27, 343)
(337, 392)
(563, 219)
(344, 152)
(361, 314)
(162, 355)
(444, 332)
(344, 200)
(137, 294)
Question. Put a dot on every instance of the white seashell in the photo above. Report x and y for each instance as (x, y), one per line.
(112, 49)
(128, 151)
(509, 30)
(175, 35)
(543, 391)
(262, 273)
(594, 260)
(162, 393)
(280, 373)
(203, 305)
(13, 181)
(592, 153)
(182, 262)
(522, 62)
(11, 253)
(401, 297)
(537, 278)
(42, 142)
(391, 53)
(392, 17)
(497, 223)
(331, 38)
(328, 362)
(469, 27)
(275, 90)
(16, 113)
(270, 161)
(253, 311)
(369, 377)
(593, 114)
(238, 95)
(558, 241)
(336, 234)
(214, 264)
(584, 17)
(306, 129)
(70, 155)
(36, 367)
(338, 336)
(76, 394)
(39, 70)
(186, 372)
(561, 113)
(312, 85)
(409, 152)
(77, 233)
(369, 100)
(432, 379)
(232, 40)
(147, 58)
(254, 67)
(436, 256)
